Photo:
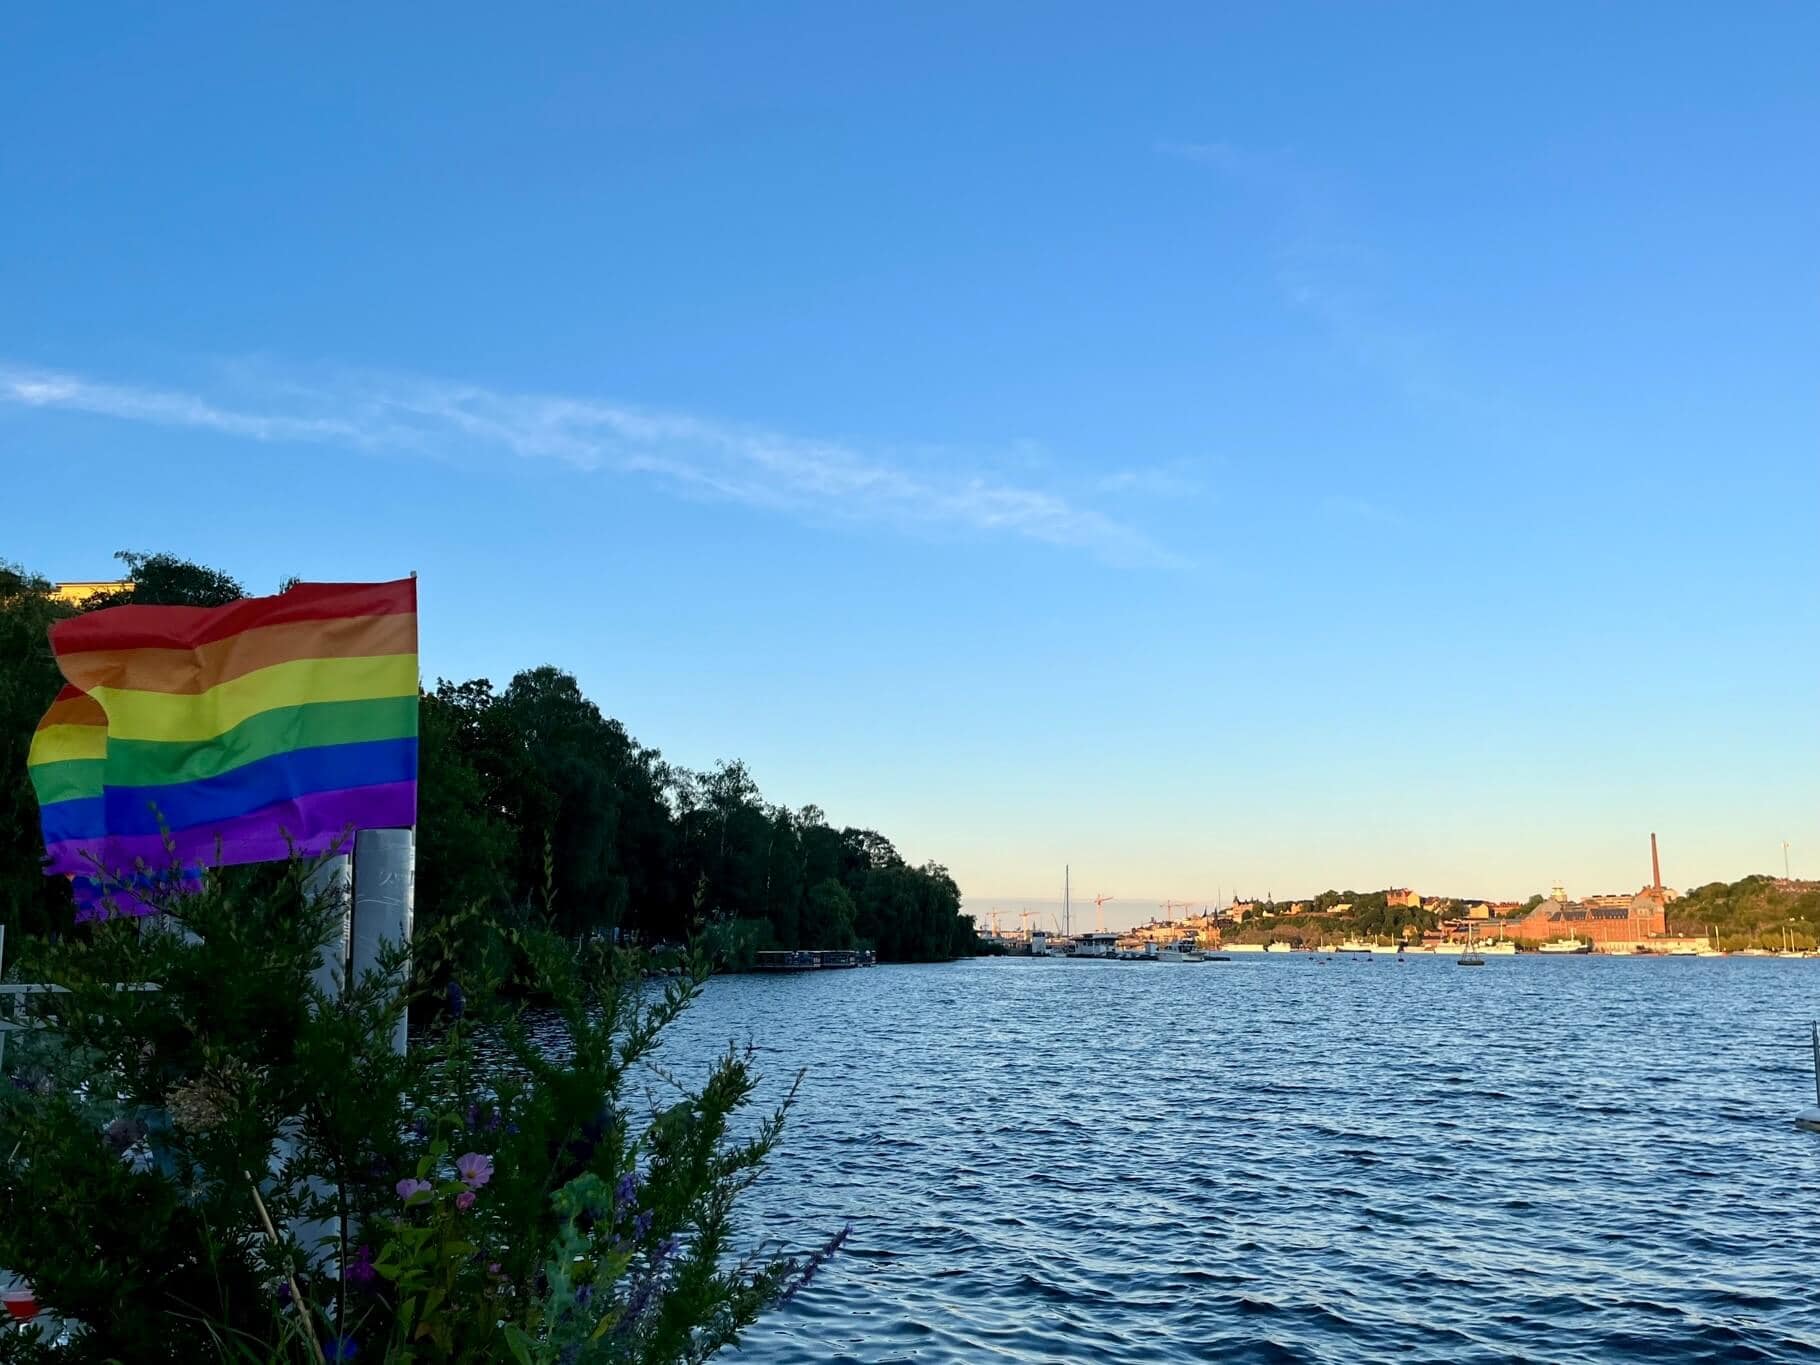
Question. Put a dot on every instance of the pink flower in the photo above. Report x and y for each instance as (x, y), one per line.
(465, 1200)
(408, 1190)
(474, 1169)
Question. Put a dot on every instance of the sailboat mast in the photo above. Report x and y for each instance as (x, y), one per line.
(1067, 919)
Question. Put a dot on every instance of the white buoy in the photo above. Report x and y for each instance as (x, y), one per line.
(1809, 1118)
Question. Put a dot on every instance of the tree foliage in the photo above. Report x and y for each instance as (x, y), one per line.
(532, 779)
(178, 1163)
(29, 903)
(1753, 912)
(637, 844)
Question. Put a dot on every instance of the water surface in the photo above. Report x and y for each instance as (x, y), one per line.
(1286, 1159)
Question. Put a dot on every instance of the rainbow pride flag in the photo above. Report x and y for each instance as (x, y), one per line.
(68, 752)
(232, 734)
(65, 765)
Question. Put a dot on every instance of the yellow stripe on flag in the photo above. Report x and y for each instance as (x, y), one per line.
(204, 715)
(55, 743)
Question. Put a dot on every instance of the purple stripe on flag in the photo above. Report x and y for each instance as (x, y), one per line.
(143, 893)
(314, 824)
(93, 903)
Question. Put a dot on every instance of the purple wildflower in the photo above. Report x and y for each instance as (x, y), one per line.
(636, 1303)
(641, 1225)
(483, 1117)
(122, 1133)
(341, 1348)
(817, 1259)
(457, 1001)
(474, 1168)
(583, 1294)
(283, 1294)
(408, 1190)
(361, 1271)
(666, 1249)
(465, 1200)
(626, 1190)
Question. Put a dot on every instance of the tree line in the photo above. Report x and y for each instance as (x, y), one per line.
(532, 801)
(1369, 914)
(1752, 912)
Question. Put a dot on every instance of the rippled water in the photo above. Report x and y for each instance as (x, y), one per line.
(1568, 1159)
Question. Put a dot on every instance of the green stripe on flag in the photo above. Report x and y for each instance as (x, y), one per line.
(160, 763)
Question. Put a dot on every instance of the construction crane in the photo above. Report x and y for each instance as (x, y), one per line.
(1170, 907)
(1099, 912)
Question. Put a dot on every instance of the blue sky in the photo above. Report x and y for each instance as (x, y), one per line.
(1258, 447)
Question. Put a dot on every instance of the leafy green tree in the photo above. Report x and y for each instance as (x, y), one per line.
(30, 902)
(464, 841)
(511, 778)
(828, 916)
(161, 580)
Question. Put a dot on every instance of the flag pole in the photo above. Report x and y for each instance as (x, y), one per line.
(385, 870)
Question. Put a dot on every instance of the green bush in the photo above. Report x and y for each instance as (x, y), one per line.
(235, 1165)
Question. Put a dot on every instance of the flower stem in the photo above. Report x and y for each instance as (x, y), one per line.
(303, 1307)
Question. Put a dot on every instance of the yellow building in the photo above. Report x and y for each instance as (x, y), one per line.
(77, 593)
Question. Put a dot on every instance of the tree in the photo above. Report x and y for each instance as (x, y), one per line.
(464, 840)
(508, 779)
(161, 580)
(30, 902)
(828, 917)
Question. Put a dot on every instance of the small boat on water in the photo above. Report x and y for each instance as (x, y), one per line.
(1471, 957)
(1100, 945)
(1565, 945)
(791, 960)
(1182, 950)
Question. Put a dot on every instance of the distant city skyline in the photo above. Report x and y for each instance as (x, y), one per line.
(1159, 441)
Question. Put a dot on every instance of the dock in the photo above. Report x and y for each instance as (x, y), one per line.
(814, 959)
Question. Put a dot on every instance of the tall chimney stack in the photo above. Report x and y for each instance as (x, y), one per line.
(1655, 863)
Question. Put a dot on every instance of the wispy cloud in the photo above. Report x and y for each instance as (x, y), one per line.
(1327, 272)
(696, 456)
(1173, 480)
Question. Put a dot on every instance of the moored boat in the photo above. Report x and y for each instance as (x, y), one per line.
(790, 960)
(1471, 957)
(1565, 945)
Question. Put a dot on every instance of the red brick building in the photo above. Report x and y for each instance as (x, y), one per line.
(1644, 918)
(1602, 920)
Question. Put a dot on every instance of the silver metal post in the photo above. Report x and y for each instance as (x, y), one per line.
(324, 1239)
(385, 868)
(332, 878)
